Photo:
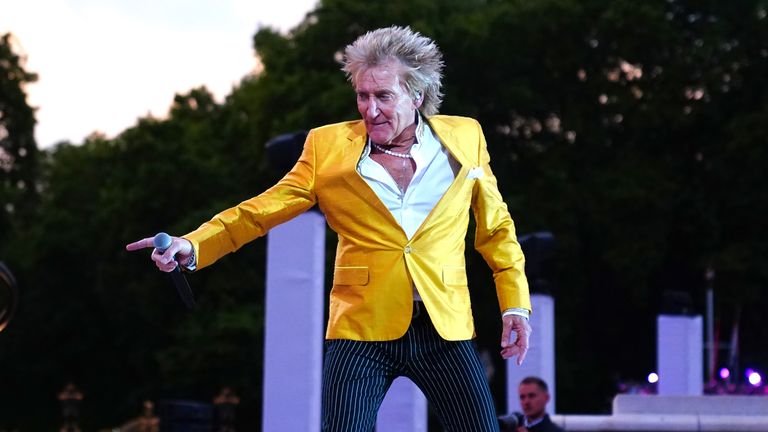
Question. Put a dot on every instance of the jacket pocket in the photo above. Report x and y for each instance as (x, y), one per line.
(455, 275)
(357, 275)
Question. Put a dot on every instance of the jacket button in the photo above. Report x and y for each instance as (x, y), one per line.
(407, 249)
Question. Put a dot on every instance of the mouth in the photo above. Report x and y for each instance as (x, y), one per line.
(375, 122)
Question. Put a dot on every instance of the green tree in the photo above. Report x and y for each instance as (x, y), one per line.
(611, 121)
(96, 315)
(18, 149)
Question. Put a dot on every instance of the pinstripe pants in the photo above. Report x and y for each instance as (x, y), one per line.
(357, 375)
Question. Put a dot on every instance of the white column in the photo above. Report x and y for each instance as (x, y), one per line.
(404, 409)
(540, 360)
(293, 339)
(680, 355)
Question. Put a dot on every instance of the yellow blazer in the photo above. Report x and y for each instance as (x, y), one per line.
(376, 265)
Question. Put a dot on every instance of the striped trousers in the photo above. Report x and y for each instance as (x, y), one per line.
(357, 375)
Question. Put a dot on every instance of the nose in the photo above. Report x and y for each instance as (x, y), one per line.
(372, 110)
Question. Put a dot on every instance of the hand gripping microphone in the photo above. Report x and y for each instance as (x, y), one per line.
(162, 241)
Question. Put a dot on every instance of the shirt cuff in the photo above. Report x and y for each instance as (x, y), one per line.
(191, 264)
(525, 313)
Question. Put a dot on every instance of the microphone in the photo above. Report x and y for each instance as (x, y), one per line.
(162, 241)
(510, 422)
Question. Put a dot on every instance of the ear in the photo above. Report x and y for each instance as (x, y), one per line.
(418, 99)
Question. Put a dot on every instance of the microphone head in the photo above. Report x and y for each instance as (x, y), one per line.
(509, 422)
(162, 241)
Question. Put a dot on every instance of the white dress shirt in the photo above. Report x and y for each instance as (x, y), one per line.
(433, 176)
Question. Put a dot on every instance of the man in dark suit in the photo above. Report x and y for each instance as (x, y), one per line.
(534, 396)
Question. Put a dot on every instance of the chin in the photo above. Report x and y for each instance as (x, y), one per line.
(381, 139)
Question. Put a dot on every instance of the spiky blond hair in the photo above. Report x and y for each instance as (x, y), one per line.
(419, 56)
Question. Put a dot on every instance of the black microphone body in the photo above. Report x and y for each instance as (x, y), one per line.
(162, 241)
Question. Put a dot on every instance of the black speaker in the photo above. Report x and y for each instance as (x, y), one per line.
(539, 250)
(284, 150)
(675, 302)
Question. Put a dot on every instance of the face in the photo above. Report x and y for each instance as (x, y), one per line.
(384, 104)
(533, 400)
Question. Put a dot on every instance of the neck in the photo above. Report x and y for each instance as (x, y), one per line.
(403, 142)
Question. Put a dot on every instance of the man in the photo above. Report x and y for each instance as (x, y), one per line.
(534, 396)
(397, 188)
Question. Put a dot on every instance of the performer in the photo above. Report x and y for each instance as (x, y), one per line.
(397, 187)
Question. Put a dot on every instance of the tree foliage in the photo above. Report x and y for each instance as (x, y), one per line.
(632, 131)
(18, 150)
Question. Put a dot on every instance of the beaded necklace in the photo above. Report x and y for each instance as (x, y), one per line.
(391, 153)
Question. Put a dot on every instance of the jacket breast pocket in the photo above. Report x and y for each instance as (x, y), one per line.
(353, 275)
(455, 275)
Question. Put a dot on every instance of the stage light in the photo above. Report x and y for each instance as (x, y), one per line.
(653, 377)
(755, 379)
(724, 373)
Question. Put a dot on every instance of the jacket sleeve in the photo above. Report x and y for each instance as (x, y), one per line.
(231, 229)
(495, 236)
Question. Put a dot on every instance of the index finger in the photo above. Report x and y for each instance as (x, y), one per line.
(141, 244)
